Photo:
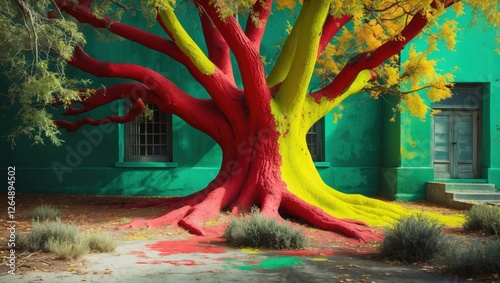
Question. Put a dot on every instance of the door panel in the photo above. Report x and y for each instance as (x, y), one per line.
(455, 144)
(465, 144)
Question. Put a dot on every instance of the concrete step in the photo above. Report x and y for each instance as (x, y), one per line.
(462, 195)
(469, 187)
(476, 196)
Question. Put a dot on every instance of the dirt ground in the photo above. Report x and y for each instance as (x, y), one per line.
(104, 214)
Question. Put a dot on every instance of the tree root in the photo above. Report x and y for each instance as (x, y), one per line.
(170, 218)
(315, 216)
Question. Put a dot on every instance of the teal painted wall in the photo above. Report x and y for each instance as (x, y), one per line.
(374, 157)
(353, 165)
(404, 173)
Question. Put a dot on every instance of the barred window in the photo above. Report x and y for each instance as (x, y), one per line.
(314, 138)
(149, 139)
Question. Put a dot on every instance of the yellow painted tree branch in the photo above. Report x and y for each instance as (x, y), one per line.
(294, 88)
(313, 111)
(284, 61)
(182, 39)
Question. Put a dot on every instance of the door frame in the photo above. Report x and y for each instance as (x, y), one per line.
(453, 161)
(469, 95)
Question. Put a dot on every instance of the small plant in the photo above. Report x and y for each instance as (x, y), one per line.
(483, 218)
(21, 241)
(45, 212)
(102, 243)
(256, 230)
(67, 249)
(414, 238)
(42, 232)
(479, 258)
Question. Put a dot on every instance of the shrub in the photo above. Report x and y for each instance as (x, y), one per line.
(478, 258)
(99, 242)
(42, 232)
(483, 218)
(256, 230)
(414, 238)
(45, 212)
(67, 249)
(21, 241)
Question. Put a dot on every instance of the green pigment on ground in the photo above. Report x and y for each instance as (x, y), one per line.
(271, 263)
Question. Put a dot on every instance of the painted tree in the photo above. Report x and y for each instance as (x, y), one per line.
(260, 125)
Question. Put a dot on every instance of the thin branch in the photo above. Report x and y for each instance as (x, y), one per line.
(331, 27)
(257, 21)
(218, 50)
(135, 109)
(123, 6)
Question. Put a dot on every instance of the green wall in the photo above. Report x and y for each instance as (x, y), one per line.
(364, 152)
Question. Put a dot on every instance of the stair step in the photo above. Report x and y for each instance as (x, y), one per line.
(476, 196)
(469, 187)
(462, 195)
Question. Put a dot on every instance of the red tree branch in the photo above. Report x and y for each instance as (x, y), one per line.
(330, 28)
(373, 59)
(135, 109)
(97, 68)
(84, 15)
(218, 50)
(221, 87)
(249, 61)
(257, 21)
(167, 96)
(85, 3)
(152, 41)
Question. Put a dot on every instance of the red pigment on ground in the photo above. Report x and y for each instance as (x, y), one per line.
(140, 254)
(306, 252)
(192, 245)
(184, 262)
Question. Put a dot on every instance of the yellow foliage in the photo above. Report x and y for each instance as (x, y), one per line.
(458, 8)
(336, 117)
(448, 33)
(415, 104)
(282, 4)
(435, 111)
(391, 73)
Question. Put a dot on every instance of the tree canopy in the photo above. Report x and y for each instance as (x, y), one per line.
(40, 39)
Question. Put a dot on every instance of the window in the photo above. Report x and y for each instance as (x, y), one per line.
(314, 139)
(149, 139)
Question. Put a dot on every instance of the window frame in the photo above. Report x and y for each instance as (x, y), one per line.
(317, 132)
(151, 161)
